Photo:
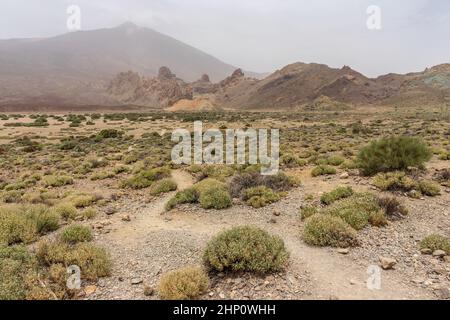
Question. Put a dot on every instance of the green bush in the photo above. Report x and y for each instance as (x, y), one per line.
(336, 194)
(146, 178)
(15, 265)
(93, 261)
(247, 249)
(57, 181)
(436, 242)
(66, 210)
(76, 234)
(429, 188)
(357, 210)
(261, 196)
(392, 181)
(188, 283)
(391, 154)
(23, 224)
(323, 170)
(326, 230)
(189, 195)
(163, 186)
(216, 198)
(308, 211)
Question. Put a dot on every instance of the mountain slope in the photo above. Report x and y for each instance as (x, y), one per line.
(65, 66)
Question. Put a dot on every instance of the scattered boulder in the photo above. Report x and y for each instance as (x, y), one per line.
(439, 253)
(387, 263)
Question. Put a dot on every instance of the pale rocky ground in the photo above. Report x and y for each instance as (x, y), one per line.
(154, 242)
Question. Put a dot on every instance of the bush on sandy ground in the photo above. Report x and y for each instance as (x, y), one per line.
(358, 210)
(57, 181)
(75, 234)
(279, 182)
(308, 211)
(394, 153)
(323, 170)
(24, 223)
(392, 207)
(436, 242)
(399, 181)
(93, 261)
(336, 194)
(146, 178)
(163, 186)
(248, 249)
(16, 263)
(188, 283)
(65, 210)
(189, 195)
(261, 196)
(326, 230)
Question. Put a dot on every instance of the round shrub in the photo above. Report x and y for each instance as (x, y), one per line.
(216, 198)
(248, 249)
(163, 186)
(76, 233)
(184, 284)
(326, 230)
(394, 153)
(436, 242)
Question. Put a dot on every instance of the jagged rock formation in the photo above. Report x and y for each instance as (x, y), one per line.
(160, 92)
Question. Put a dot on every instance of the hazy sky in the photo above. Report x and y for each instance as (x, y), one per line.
(264, 35)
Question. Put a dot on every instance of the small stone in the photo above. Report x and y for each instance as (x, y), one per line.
(447, 259)
(443, 293)
(136, 281)
(353, 282)
(387, 263)
(343, 250)
(439, 253)
(345, 175)
(221, 296)
(272, 220)
(426, 251)
(276, 213)
(126, 218)
(90, 290)
(110, 211)
(148, 291)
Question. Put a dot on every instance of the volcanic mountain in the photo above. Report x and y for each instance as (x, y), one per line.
(76, 67)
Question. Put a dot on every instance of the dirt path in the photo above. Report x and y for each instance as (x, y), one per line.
(155, 242)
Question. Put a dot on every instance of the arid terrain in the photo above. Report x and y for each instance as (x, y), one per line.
(99, 190)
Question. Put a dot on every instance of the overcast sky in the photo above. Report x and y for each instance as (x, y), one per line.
(264, 35)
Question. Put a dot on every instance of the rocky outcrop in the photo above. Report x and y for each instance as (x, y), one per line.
(160, 92)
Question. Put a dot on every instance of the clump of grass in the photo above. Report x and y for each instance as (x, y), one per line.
(336, 194)
(429, 188)
(261, 196)
(213, 194)
(23, 224)
(16, 263)
(392, 207)
(392, 181)
(323, 170)
(247, 249)
(391, 154)
(188, 283)
(357, 210)
(89, 213)
(279, 182)
(66, 210)
(326, 230)
(308, 211)
(57, 181)
(163, 186)
(75, 234)
(189, 195)
(93, 261)
(436, 242)
(146, 178)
